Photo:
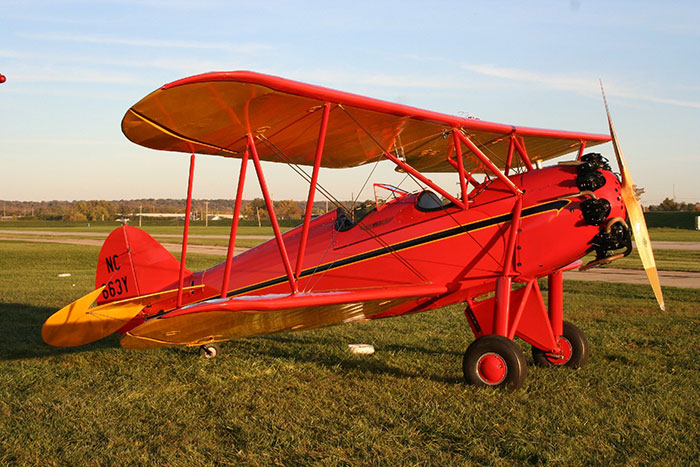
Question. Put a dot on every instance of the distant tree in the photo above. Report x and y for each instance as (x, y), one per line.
(252, 208)
(288, 209)
(669, 204)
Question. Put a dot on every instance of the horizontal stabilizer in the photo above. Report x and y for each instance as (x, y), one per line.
(80, 323)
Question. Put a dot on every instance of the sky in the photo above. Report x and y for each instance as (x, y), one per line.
(73, 68)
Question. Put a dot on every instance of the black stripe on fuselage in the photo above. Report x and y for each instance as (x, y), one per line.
(531, 211)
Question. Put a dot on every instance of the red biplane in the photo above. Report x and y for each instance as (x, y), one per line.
(510, 223)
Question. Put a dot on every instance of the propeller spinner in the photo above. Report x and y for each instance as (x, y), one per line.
(635, 213)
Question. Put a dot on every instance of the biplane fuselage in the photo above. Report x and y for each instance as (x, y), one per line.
(402, 244)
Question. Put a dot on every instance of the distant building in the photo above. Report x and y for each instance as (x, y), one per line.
(163, 215)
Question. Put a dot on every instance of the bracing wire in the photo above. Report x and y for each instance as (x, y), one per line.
(331, 198)
(295, 167)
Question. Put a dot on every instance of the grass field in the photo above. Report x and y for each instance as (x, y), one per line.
(303, 398)
(666, 260)
(151, 229)
(666, 234)
(658, 234)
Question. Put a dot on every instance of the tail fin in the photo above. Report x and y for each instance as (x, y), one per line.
(133, 263)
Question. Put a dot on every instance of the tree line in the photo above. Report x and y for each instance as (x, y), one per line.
(671, 205)
(98, 210)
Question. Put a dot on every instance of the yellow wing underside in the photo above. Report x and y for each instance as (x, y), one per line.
(216, 326)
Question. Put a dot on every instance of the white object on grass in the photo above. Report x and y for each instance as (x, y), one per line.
(361, 349)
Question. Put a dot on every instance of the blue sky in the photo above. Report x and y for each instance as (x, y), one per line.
(74, 67)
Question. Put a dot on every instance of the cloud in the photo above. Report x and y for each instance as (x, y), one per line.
(658, 100)
(560, 82)
(9, 54)
(340, 79)
(407, 81)
(587, 85)
(59, 142)
(249, 48)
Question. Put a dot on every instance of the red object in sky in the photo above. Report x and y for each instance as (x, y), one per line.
(414, 253)
(2, 78)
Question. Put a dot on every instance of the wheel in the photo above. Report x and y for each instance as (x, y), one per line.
(494, 361)
(574, 348)
(209, 350)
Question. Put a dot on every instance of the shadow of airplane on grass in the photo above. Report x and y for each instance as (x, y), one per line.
(20, 338)
(287, 346)
(20, 334)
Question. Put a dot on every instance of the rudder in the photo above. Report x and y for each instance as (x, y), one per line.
(132, 263)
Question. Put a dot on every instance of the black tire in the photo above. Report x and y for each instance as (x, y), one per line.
(575, 347)
(210, 350)
(494, 361)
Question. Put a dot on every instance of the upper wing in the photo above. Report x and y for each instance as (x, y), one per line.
(212, 113)
(226, 319)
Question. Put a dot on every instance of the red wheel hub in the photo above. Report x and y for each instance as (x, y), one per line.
(492, 368)
(563, 357)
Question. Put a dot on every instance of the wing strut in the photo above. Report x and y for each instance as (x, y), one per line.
(185, 234)
(273, 218)
(271, 211)
(234, 224)
(520, 146)
(509, 158)
(460, 166)
(581, 149)
(312, 187)
(424, 179)
(487, 162)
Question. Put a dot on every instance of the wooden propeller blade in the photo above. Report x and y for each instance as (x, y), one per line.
(635, 213)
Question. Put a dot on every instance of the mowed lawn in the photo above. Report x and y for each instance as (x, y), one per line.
(302, 398)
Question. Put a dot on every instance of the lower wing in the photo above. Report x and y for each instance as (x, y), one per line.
(225, 319)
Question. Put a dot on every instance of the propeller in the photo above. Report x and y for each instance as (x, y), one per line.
(635, 213)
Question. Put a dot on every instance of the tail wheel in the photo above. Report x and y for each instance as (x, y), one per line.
(574, 349)
(209, 351)
(494, 361)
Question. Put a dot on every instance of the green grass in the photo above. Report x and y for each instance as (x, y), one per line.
(656, 233)
(240, 242)
(301, 398)
(151, 229)
(666, 260)
(157, 231)
(667, 234)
